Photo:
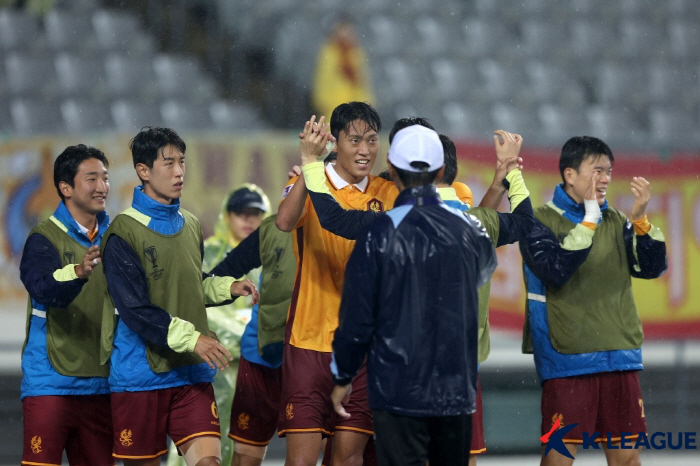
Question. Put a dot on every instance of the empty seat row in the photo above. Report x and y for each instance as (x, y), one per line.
(32, 116)
(115, 76)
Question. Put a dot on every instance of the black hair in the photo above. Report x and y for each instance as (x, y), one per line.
(385, 175)
(150, 142)
(344, 114)
(450, 151)
(405, 123)
(410, 179)
(579, 148)
(66, 165)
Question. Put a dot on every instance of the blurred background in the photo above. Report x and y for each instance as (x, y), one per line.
(238, 78)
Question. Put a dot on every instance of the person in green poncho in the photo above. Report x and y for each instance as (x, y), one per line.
(241, 213)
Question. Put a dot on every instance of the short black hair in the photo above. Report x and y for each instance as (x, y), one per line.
(405, 123)
(66, 165)
(450, 151)
(385, 175)
(579, 148)
(344, 114)
(411, 179)
(151, 141)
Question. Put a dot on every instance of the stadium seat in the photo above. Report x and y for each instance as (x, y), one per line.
(432, 37)
(67, 31)
(589, 39)
(18, 30)
(128, 77)
(81, 77)
(184, 116)
(467, 121)
(639, 39)
(621, 84)
(516, 120)
(119, 32)
(541, 38)
(671, 84)
(132, 115)
(397, 80)
(387, 37)
(500, 81)
(83, 116)
(614, 124)
(482, 37)
(36, 116)
(30, 76)
(180, 76)
(6, 125)
(559, 124)
(228, 116)
(450, 80)
(671, 126)
(684, 37)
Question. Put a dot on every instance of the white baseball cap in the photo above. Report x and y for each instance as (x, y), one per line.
(416, 144)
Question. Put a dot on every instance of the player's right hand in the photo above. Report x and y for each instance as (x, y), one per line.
(212, 352)
(591, 191)
(313, 145)
(90, 261)
(510, 147)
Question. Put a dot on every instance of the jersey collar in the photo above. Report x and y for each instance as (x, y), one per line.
(340, 183)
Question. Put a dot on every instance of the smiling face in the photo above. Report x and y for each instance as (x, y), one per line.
(577, 182)
(165, 180)
(87, 197)
(357, 149)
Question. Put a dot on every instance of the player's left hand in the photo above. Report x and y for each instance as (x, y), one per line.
(313, 145)
(510, 147)
(340, 395)
(642, 193)
(245, 288)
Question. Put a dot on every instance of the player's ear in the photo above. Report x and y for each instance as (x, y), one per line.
(143, 172)
(440, 174)
(65, 189)
(569, 175)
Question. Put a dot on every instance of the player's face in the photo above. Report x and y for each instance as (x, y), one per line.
(580, 181)
(91, 187)
(245, 222)
(357, 151)
(165, 180)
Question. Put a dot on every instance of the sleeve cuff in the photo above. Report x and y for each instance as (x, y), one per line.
(641, 226)
(217, 289)
(315, 177)
(517, 192)
(182, 337)
(65, 274)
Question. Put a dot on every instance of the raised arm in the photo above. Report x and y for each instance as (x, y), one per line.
(507, 147)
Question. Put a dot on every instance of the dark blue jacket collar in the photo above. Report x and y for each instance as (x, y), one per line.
(165, 219)
(573, 211)
(62, 214)
(419, 195)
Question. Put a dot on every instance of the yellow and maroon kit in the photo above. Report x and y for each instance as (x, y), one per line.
(313, 313)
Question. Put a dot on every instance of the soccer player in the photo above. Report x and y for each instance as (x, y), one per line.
(65, 395)
(410, 298)
(582, 323)
(307, 414)
(240, 215)
(502, 228)
(163, 358)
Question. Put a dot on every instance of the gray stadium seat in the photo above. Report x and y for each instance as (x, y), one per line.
(467, 121)
(32, 116)
(672, 126)
(397, 81)
(82, 77)
(68, 31)
(83, 116)
(180, 76)
(228, 116)
(185, 116)
(450, 80)
(387, 36)
(620, 84)
(516, 120)
(119, 32)
(671, 84)
(18, 30)
(6, 125)
(127, 77)
(559, 124)
(614, 124)
(30, 76)
(684, 37)
(432, 36)
(482, 37)
(589, 38)
(132, 115)
(541, 38)
(639, 39)
(500, 81)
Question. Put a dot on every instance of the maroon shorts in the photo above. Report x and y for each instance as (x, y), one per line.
(603, 402)
(306, 396)
(478, 443)
(80, 424)
(256, 403)
(142, 420)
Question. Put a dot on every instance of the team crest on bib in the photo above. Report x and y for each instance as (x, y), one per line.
(558, 418)
(375, 205)
(151, 254)
(125, 438)
(36, 444)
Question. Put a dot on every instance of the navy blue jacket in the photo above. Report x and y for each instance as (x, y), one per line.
(410, 301)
